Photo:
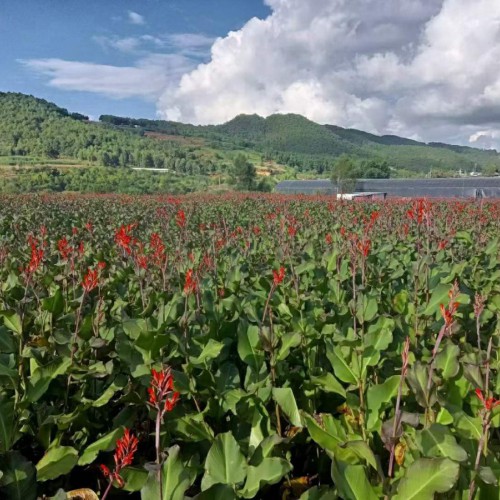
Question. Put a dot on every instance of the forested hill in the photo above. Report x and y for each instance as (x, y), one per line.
(295, 140)
(33, 129)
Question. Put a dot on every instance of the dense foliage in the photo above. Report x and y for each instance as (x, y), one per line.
(33, 131)
(300, 143)
(31, 127)
(301, 348)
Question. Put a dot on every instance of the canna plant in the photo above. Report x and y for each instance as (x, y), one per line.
(351, 371)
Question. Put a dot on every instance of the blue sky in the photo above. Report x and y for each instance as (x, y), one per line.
(424, 69)
(120, 33)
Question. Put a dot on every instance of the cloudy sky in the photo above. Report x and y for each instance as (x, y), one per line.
(425, 69)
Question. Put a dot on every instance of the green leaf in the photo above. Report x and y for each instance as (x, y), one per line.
(328, 383)
(135, 478)
(288, 341)
(361, 450)
(447, 360)
(12, 321)
(42, 376)
(269, 471)
(427, 476)
(249, 346)
(19, 477)
(225, 463)
(176, 479)
(377, 339)
(339, 363)
(465, 425)
(211, 350)
(379, 395)
(318, 493)
(105, 443)
(352, 482)
(366, 308)
(7, 425)
(437, 441)
(261, 426)
(286, 400)
(219, 492)
(58, 461)
(54, 304)
(329, 435)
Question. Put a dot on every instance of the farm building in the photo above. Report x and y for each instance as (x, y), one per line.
(460, 187)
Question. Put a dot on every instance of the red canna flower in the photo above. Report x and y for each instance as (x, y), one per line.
(328, 239)
(278, 276)
(126, 447)
(180, 218)
(90, 280)
(64, 249)
(189, 283)
(161, 391)
(123, 237)
(488, 403)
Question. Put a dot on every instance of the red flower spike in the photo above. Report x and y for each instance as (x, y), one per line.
(126, 447)
(189, 283)
(278, 276)
(488, 403)
(162, 396)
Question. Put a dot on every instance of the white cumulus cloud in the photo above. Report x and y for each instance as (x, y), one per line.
(135, 18)
(427, 69)
(147, 79)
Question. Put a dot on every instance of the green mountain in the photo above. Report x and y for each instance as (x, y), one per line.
(36, 132)
(298, 142)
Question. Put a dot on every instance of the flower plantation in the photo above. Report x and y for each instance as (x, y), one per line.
(249, 346)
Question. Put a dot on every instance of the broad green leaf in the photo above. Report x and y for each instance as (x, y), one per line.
(261, 427)
(377, 339)
(193, 428)
(56, 462)
(217, 492)
(135, 478)
(366, 308)
(288, 342)
(19, 477)
(134, 328)
(465, 425)
(379, 395)
(269, 471)
(211, 350)
(12, 321)
(105, 443)
(43, 376)
(249, 346)
(7, 424)
(447, 360)
(176, 479)
(329, 435)
(437, 441)
(286, 400)
(225, 463)
(329, 383)
(340, 365)
(119, 383)
(54, 304)
(352, 482)
(361, 450)
(427, 476)
(318, 493)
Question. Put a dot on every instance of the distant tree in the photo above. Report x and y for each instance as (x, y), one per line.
(344, 174)
(244, 173)
(491, 169)
(374, 169)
